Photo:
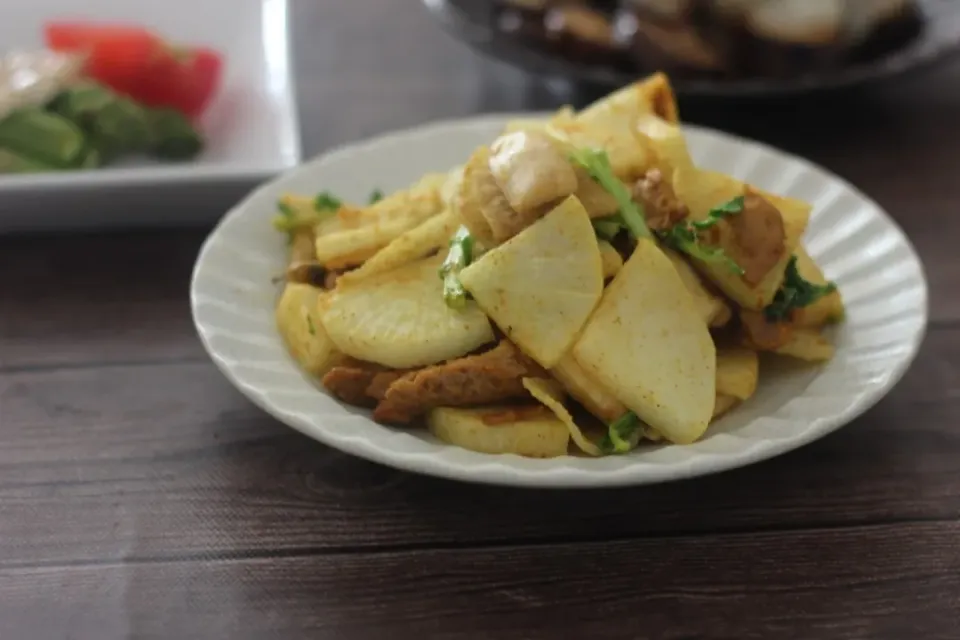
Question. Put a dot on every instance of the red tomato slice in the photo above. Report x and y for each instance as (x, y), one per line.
(185, 81)
(118, 56)
(74, 36)
(136, 62)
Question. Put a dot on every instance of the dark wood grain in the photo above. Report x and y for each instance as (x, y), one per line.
(178, 441)
(141, 496)
(885, 582)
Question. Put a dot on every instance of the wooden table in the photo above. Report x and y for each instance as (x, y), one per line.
(141, 496)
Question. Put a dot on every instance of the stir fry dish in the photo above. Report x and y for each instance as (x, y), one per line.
(579, 285)
(99, 93)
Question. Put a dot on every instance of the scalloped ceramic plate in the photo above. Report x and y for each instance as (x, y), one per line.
(852, 239)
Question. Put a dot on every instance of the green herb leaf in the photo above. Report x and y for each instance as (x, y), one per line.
(795, 293)
(597, 164)
(718, 213)
(375, 196)
(462, 245)
(285, 209)
(325, 201)
(623, 434)
(310, 327)
(684, 236)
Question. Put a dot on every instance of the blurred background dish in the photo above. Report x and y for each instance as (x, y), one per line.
(710, 47)
(248, 127)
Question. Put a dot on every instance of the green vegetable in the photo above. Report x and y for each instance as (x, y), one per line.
(325, 201)
(42, 138)
(458, 257)
(91, 159)
(114, 124)
(375, 196)
(795, 293)
(123, 127)
(684, 236)
(11, 162)
(623, 434)
(171, 136)
(598, 166)
(720, 212)
(607, 228)
(325, 204)
(82, 103)
(310, 327)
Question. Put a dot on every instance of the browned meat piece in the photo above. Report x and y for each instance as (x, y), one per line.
(302, 246)
(377, 389)
(762, 335)
(661, 206)
(753, 238)
(311, 273)
(350, 380)
(760, 237)
(486, 378)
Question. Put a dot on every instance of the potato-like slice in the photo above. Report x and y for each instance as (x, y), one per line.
(700, 191)
(713, 308)
(399, 319)
(340, 249)
(346, 218)
(468, 200)
(667, 141)
(723, 405)
(298, 321)
(524, 431)
(541, 285)
(738, 370)
(610, 259)
(652, 95)
(301, 246)
(595, 199)
(414, 244)
(648, 344)
(380, 223)
(825, 310)
(558, 117)
(630, 153)
(451, 186)
(531, 170)
(807, 344)
(586, 390)
(546, 393)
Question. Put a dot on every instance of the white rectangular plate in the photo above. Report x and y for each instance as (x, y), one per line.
(251, 127)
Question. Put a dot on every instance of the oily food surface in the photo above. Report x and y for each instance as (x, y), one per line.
(579, 285)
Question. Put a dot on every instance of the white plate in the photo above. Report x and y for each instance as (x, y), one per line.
(854, 241)
(251, 126)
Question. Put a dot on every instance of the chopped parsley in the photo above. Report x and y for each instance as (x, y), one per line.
(684, 236)
(623, 434)
(597, 164)
(324, 201)
(795, 293)
(375, 196)
(293, 217)
(310, 327)
(460, 255)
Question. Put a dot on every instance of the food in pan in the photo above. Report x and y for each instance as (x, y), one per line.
(713, 38)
